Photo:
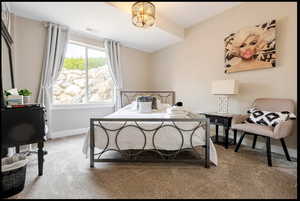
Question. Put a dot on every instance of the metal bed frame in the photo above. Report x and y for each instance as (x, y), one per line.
(165, 97)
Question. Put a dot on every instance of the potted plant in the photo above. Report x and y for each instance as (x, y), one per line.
(26, 95)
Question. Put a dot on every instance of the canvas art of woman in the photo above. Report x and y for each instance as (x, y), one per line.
(251, 48)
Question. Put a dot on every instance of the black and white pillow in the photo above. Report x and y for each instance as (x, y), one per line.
(268, 118)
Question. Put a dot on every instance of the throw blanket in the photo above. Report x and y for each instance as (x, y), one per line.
(176, 112)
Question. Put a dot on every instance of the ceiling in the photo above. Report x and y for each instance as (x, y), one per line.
(113, 20)
(187, 14)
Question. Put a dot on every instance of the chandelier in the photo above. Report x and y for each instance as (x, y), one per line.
(143, 14)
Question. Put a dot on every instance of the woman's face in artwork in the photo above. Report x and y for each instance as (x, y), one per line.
(248, 47)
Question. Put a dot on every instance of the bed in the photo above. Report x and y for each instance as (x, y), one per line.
(133, 135)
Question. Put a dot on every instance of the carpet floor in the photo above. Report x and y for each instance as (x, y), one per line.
(239, 175)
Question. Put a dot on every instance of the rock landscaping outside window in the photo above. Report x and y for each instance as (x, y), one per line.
(85, 77)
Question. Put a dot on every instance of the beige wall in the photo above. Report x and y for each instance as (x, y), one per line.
(29, 38)
(135, 67)
(190, 67)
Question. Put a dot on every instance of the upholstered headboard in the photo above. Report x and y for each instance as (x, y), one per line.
(164, 96)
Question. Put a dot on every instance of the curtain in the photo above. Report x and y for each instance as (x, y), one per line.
(9, 20)
(6, 16)
(54, 53)
(114, 62)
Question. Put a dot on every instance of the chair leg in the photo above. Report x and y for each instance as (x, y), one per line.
(268, 145)
(254, 141)
(285, 149)
(240, 142)
(234, 136)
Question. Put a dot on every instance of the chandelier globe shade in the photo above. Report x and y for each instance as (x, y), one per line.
(143, 14)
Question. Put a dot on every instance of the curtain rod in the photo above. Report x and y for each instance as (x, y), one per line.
(90, 36)
(81, 33)
(46, 24)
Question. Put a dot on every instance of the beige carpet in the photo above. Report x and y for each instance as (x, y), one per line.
(239, 175)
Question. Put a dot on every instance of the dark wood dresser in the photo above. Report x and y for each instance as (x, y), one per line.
(21, 126)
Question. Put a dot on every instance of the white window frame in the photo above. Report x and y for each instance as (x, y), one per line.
(86, 105)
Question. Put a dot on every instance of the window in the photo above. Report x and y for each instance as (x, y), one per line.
(85, 77)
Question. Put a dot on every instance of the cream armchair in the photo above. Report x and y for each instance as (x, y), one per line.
(280, 131)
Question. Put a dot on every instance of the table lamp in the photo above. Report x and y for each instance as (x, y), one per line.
(224, 88)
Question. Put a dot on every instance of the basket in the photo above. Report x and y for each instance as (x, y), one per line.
(13, 175)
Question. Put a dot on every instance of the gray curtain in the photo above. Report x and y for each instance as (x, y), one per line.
(6, 15)
(9, 20)
(114, 63)
(55, 48)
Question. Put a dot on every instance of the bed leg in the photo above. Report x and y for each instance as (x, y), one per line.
(207, 142)
(92, 158)
(92, 144)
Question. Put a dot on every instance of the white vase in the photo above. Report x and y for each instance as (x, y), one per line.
(27, 99)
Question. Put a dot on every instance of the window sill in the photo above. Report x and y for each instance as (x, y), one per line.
(81, 106)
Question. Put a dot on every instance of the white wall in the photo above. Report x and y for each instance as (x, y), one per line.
(70, 121)
(191, 66)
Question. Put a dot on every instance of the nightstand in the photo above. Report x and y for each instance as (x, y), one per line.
(224, 120)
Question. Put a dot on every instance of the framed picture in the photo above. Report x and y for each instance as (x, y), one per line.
(251, 48)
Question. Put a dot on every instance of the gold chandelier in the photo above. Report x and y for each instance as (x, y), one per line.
(143, 14)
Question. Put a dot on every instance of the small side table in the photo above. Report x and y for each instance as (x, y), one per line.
(224, 120)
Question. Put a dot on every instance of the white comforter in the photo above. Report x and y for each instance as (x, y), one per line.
(131, 138)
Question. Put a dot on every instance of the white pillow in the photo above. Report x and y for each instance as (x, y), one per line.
(145, 107)
(134, 105)
(160, 106)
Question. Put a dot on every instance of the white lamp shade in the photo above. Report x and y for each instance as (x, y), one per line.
(224, 87)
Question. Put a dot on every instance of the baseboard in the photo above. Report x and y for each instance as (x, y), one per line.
(248, 142)
(66, 133)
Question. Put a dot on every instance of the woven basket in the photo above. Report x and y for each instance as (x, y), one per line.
(13, 180)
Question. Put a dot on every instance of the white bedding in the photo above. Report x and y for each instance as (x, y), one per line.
(131, 138)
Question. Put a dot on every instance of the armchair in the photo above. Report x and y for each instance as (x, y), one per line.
(280, 131)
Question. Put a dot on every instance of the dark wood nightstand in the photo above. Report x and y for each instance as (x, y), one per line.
(224, 120)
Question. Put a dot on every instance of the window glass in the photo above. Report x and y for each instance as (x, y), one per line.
(100, 84)
(85, 77)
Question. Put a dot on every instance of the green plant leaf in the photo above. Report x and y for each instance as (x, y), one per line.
(7, 93)
(24, 92)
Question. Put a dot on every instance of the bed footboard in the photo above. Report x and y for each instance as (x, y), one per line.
(149, 138)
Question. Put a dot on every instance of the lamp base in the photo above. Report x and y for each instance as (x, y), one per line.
(223, 104)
